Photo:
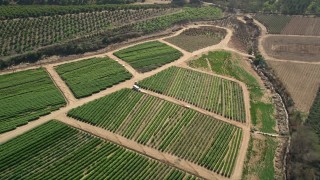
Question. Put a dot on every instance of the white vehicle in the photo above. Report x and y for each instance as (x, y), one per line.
(137, 88)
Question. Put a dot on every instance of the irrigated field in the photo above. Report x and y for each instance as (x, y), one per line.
(300, 25)
(197, 38)
(274, 23)
(167, 127)
(148, 56)
(93, 75)
(212, 93)
(301, 80)
(293, 48)
(56, 151)
(25, 96)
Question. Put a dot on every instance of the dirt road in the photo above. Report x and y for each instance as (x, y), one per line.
(174, 161)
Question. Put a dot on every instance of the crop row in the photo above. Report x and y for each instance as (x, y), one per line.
(56, 151)
(25, 96)
(209, 92)
(92, 75)
(167, 127)
(20, 35)
(274, 23)
(148, 56)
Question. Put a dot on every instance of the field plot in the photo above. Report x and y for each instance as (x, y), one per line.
(197, 38)
(25, 96)
(274, 23)
(293, 48)
(300, 25)
(56, 151)
(301, 80)
(92, 75)
(212, 93)
(148, 56)
(167, 127)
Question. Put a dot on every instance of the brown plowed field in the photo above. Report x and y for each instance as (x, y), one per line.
(293, 48)
(299, 25)
(301, 80)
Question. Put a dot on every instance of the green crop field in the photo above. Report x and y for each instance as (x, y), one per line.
(25, 96)
(148, 56)
(197, 38)
(208, 92)
(56, 151)
(92, 75)
(167, 127)
(274, 23)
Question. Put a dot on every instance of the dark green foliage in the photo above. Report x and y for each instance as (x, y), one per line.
(25, 96)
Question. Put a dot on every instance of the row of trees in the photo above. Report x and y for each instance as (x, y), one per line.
(64, 2)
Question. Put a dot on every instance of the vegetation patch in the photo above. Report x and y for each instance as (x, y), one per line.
(92, 75)
(274, 23)
(197, 38)
(25, 96)
(212, 93)
(148, 56)
(224, 63)
(167, 127)
(57, 151)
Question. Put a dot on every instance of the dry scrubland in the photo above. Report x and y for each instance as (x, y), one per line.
(293, 48)
(197, 38)
(301, 80)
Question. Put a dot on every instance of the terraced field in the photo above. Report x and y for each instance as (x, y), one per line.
(56, 151)
(167, 127)
(148, 56)
(93, 75)
(212, 93)
(25, 96)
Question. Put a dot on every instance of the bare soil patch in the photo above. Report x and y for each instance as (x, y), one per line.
(300, 25)
(301, 80)
(293, 48)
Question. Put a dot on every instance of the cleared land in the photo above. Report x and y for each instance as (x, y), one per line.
(197, 38)
(301, 80)
(274, 23)
(227, 64)
(25, 96)
(148, 56)
(56, 151)
(212, 93)
(93, 75)
(300, 25)
(167, 127)
(293, 48)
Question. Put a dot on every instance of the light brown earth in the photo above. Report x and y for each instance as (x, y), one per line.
(171, 160)
(299, 25)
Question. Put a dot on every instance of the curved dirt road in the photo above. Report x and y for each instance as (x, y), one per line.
(184, 165)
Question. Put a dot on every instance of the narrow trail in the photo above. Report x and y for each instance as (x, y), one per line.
(264, 35)
(171, 160)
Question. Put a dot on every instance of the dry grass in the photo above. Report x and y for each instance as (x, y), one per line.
(301, 80)
(293, 48)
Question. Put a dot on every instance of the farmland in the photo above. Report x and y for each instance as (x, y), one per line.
(300, 25)
(274, 23)
(301, 80)
(25, 96)
(148, 56)
(167, 127)
(92, 75)
(56, 151)
(21, 35)
(293, 48)
(197, 38)
(214, 94)
(225, 63)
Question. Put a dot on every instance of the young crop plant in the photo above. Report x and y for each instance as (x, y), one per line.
(148, 56)
(90, 76)
(25, 96)
(57, 151)
(209, 92)
(167, 127)
(274, 23)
